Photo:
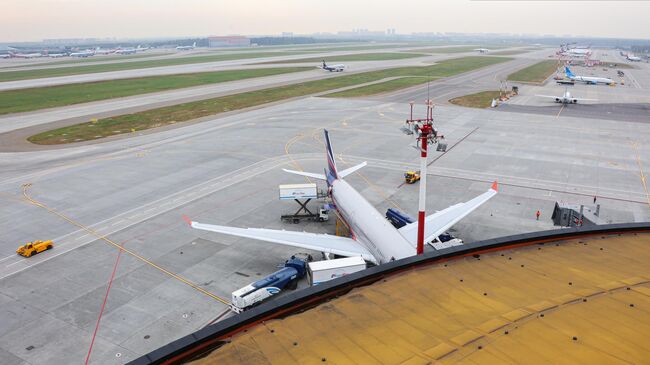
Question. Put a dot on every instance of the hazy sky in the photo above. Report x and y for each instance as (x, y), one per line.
(25, 20)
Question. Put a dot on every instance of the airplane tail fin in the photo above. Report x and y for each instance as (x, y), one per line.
(324, 64)
(568, 71)
(194, 44)
(332, 173)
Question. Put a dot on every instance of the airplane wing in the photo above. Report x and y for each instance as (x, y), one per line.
(437, 223)
(312, 241)
(579, 99)
(549, 96)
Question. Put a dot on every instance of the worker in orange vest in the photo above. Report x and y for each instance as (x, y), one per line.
(538, 214)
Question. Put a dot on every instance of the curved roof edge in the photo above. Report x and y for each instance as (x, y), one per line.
(203, 340)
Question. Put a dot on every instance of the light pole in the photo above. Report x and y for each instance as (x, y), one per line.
(426, 134)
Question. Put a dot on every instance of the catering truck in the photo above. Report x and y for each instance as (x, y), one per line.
(303, 194)
(319, 272)
(254, 293)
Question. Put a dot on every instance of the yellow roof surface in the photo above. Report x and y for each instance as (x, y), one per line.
(578, 301)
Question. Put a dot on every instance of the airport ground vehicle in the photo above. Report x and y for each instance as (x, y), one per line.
(319, 272)
(32, 248)
(254, 293)
(302, 194)
(397, 218)
(411, 177)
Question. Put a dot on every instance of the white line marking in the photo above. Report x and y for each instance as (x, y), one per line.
(16, 262)
(118, 222)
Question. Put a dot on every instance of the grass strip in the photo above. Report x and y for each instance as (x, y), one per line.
(133, 65)
(188, 111)
(381, 87)
(22, 100)
(478, 100)
(536, 73)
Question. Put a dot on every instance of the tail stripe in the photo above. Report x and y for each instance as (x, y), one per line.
(331, 163)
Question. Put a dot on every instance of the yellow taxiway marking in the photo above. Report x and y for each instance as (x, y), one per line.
(558, 113)
(118, 246)
(641, 174)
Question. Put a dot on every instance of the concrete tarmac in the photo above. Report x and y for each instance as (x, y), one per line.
(226, 171)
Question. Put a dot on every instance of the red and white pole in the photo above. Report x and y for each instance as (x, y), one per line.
(423, 186)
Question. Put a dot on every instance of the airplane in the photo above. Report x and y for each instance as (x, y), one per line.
(186, 48)
(482, 50)
(141, 49)
(125, 51)
(333, 68)
(25, 55)
(56, 55)
(100, 51)
(88, 53)
(633, 58)
(565, 98)
(373, 237)
(575, 52)
(588, 79)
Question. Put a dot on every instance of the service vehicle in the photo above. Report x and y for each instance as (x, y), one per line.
(319, 272)
(254, 293)
(32, 248)
(411, 177)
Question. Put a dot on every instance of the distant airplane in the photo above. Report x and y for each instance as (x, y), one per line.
(141, 49)
(125, 51)
(56, 55)
(333, 68)
(25, 55)
(99, 51)
(186, 48)
(482, 50)
(633, 58)
(373, 237)
(577, 52)
(588, 79)
(565, 98)
(87, 53)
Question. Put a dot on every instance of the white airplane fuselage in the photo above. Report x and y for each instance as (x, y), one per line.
(368, 226)
(592, 80)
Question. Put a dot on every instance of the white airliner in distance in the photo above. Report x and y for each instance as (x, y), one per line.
(373, 237)
(186, 48)
(88, 53)
(25, 55)
(333, 68)
(482, 50)
(633, 58)
(565, 98)
(588, 79)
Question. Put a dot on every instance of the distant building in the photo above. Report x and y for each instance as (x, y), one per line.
(228, 41)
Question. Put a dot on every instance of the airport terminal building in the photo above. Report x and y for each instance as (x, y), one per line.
(228, 41)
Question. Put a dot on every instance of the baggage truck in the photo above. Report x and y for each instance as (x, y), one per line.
(254, 293)
(319, 272)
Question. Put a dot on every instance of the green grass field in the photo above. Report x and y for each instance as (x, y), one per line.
(536, 73)
(381, 87)
(119, 66)
(183, 112)
(22, 100)
(354, 57)
(478, 100)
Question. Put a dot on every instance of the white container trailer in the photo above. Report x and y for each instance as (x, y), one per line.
(319, 272)
(298, 191)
